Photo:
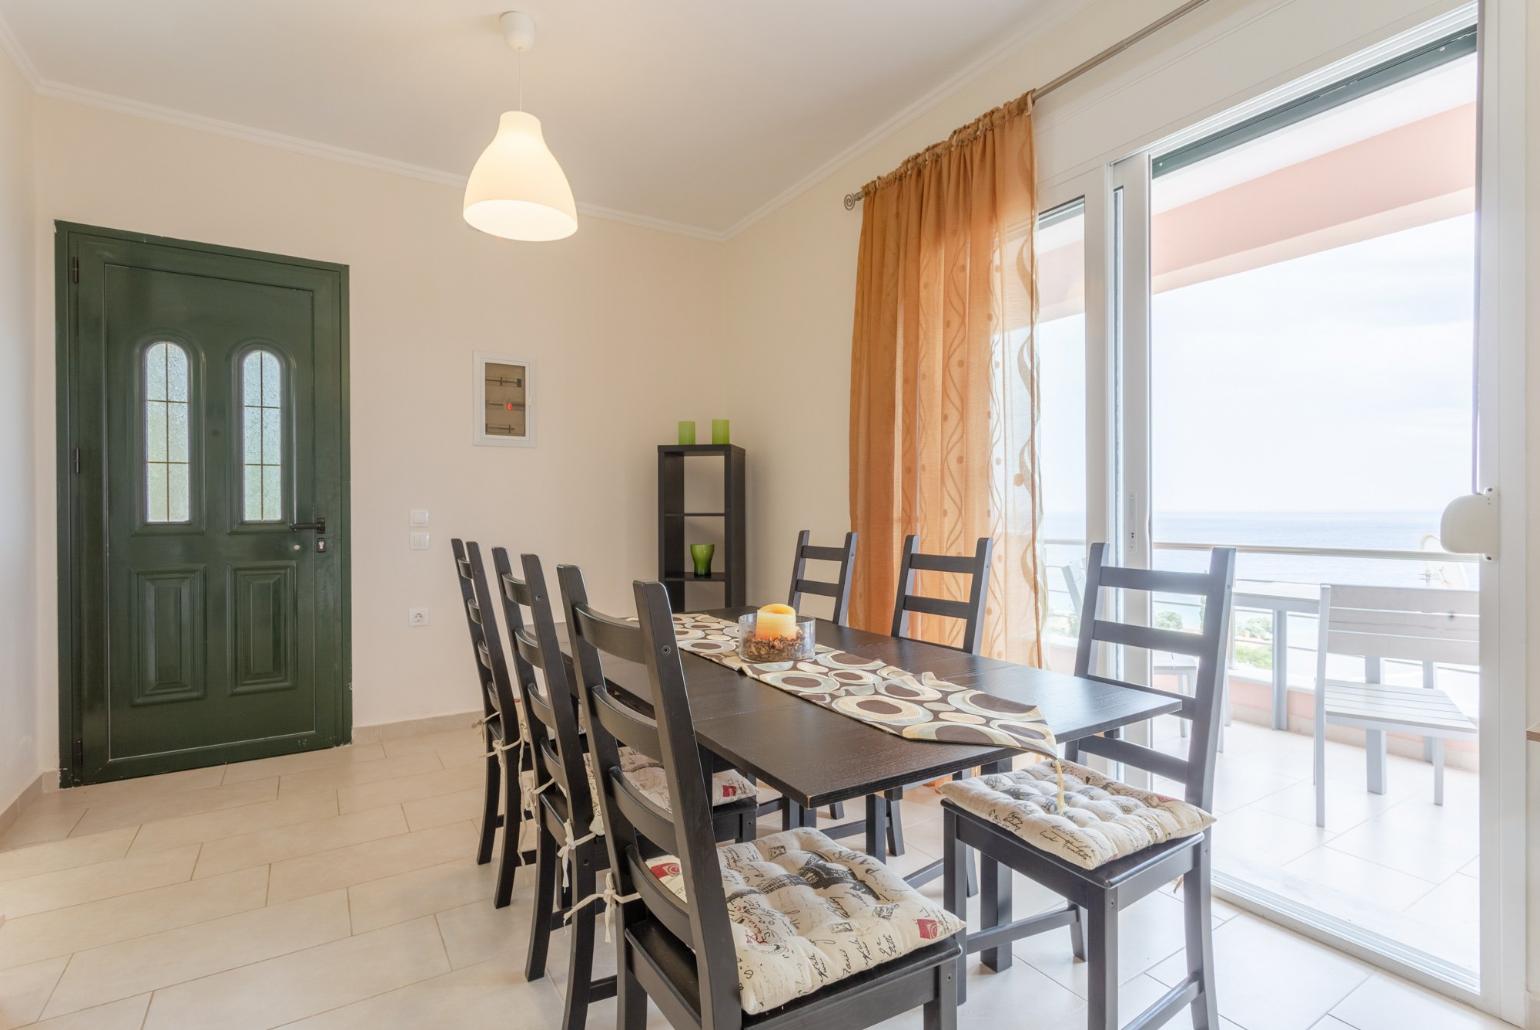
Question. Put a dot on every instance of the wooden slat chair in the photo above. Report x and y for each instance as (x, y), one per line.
(683, 943)
(500, 723)
(839, 592)
(1414, 624)
(570, 852)
(886, 811)
(1138, 841)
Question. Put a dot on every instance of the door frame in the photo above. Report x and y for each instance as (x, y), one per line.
(71, 689)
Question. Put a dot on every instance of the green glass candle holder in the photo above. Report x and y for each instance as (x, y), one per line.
(686, 434)
(719, 431)
(701, 555)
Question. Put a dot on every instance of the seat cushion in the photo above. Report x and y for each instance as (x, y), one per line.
(649, 779)
(807, 911)
(1103, 819)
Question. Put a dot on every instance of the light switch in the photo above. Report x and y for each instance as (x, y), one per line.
(417, 539)
(417, 517)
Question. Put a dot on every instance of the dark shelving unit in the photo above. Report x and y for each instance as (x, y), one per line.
(674, 566)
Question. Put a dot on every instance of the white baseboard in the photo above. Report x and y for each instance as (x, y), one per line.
(29, 794)
(414, 727)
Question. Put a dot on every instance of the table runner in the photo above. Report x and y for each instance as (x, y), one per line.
(916, 707)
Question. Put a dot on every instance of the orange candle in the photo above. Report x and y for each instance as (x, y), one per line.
(776, 620)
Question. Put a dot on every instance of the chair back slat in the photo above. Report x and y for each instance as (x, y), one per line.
(497, 692)
(970, 612)
(1209, 647)
(839, 589)
(688, 834)
(627, 725)
(1416, 624)
(548, 697)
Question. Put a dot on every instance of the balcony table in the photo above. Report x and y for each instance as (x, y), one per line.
(816, 757)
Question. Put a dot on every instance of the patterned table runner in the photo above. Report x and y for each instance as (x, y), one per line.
(916, 707)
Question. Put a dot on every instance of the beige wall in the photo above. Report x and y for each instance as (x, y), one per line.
(19, 698)
(611, 319)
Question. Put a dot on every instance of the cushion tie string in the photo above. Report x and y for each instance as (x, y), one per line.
(612, 901)
(1058, 767)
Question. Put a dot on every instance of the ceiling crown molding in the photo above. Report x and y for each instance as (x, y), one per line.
(11, 46)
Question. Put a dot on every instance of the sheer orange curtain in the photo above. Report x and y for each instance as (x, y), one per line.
(943, 392)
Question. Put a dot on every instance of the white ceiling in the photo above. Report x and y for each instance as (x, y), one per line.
(693, 112)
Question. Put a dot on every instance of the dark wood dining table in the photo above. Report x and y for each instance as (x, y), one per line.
(815, 756)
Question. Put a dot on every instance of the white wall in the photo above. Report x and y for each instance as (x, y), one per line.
(612, 318)
(19, 756)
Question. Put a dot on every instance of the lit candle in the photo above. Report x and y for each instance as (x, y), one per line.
(776, 620)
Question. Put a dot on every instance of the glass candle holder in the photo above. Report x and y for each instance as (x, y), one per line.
(686, 433)
(800, 646)
(701, 555)
(719, 431)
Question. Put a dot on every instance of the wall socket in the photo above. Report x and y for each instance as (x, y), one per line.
(417, 616)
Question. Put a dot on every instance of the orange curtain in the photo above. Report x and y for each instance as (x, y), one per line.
(943, 394)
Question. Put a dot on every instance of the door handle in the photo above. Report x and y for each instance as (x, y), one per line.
(319, 525)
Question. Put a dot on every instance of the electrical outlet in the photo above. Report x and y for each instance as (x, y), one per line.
(417, 616)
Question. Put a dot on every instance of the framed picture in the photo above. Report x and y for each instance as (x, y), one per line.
(503, 411)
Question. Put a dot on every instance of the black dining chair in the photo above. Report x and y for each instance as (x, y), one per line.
(500, 723)
(886, 811)
(838, 590)
(1113, 844)
(570, 852)
(707, 933)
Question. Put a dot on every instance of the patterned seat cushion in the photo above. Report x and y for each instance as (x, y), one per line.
(807, 911)
(649, 779)
(1103, 819)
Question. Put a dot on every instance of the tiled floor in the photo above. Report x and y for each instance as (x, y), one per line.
(1393, 863)
(338, 890)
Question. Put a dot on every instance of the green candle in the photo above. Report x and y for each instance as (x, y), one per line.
(719, 431)
(686, 433)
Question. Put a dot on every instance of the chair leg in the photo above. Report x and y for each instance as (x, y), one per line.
(941, 1014)
(994, 909)
(544, 904)
(1374, 750)
(955, 860)
(1077, 934)
(580, 935)
(508, 861)
(489, 812)
(1102, 942)
(837, 810)
(1438, 769)
(895, 822)
(631, 1001)
(1319, 768)
(1197, 902)
(876, 824)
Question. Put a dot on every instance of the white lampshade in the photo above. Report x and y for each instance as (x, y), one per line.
(517, 190)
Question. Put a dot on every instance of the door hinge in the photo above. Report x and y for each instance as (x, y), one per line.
(77, 755)
(75, 459)
(74, 270)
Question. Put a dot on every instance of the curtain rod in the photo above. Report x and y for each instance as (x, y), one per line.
(852, 199)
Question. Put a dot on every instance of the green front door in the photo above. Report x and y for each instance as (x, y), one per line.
(203, 455)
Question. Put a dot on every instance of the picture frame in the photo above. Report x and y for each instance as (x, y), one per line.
(502, 414)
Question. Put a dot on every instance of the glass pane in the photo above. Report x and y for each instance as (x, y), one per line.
(271, 437)
(176, 432)
(251, 492)
(251, 380)
(167, 434)
(271, 381)
(251, 436)
(155, 372)
(176, 372)
(261, 437)
(156, 507)
(177, 490)
(155, 430)
(272, 493)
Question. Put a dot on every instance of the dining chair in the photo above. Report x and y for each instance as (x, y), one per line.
(1413, 624)
(789, 931)
(1110, 844)
(570, 852)
(501, 725)
(839, 591)
(971, 612)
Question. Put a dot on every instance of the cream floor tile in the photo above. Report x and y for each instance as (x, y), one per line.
(230, 822)
(411, 788)
(1347, 804)
(1002, 1000)
(1415, 837)
(477, 932)
(92, 883)
(490, 994)
(1141, 992)
(24, 991)
(64, 854)
(461, 806)
(373, 860)
(305, 983)
(46, 819)
(143, 787)
(127, 1014)
(303, 761)
(1445, 922)
(1148, 931)
(421, 892)
(303, 838)
(192, 952)
(1368, 882)
(96, 923)
(355, 774)
(112, 815)
(1330, 1023)
(1252, 836)
(458, 744)
(1386, 1003)
(1271, 979)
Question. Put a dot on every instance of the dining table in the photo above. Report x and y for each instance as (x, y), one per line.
(815, 756)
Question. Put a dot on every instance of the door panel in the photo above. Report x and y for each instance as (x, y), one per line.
(206, 416)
